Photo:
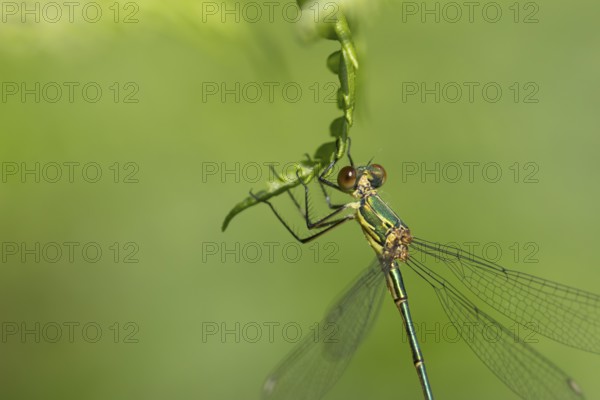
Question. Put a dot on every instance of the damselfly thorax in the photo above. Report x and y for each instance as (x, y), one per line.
(383, 228)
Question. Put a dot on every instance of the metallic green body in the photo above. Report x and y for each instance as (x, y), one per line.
(376, 219)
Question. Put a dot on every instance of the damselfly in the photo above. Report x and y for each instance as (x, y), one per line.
(564, 314)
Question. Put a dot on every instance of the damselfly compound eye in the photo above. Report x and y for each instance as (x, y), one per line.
(379, 174)
(347, 178)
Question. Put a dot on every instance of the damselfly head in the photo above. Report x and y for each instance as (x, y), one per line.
(349, 177)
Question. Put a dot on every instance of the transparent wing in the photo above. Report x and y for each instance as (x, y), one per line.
(518, 365)
(562, 313)
(316, 363)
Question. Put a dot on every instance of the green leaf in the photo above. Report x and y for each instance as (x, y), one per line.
(333, 61)
(343, 63)
(307, 170)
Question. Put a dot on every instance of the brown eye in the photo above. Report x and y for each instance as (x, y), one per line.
(379, 173)
(347, 178)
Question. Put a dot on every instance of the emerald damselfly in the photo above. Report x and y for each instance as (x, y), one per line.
(561, 313)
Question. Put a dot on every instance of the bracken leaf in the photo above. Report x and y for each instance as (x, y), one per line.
(344, 63)
(307, 171)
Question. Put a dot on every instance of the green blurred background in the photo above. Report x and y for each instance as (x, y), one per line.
(165, 206)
